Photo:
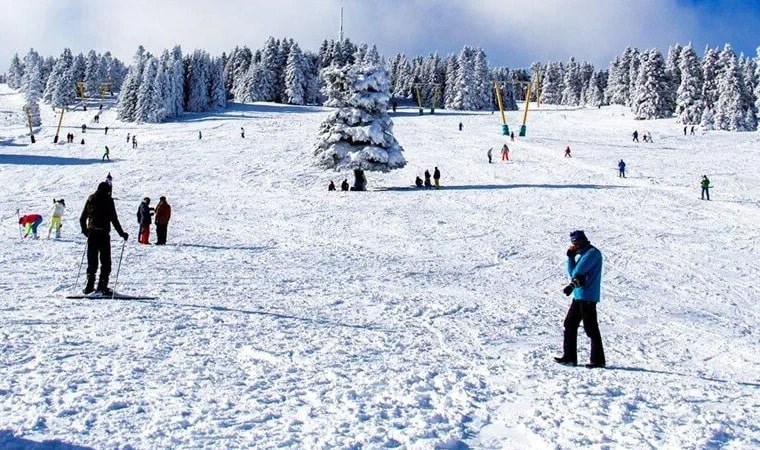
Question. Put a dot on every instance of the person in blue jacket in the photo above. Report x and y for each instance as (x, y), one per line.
(584, 265)
(621, 168)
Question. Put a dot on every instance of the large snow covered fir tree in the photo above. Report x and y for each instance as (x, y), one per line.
(358, 135)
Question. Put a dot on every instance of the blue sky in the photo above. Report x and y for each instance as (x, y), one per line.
(513, 33)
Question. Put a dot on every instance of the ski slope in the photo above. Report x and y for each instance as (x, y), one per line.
(293, 317)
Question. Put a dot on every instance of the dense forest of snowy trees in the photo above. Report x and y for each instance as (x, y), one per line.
(720, 90)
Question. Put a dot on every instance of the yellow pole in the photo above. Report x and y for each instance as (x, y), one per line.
(504, 126)
(538, 89)
(527, 102)
(58, 130)
(28, 112)
(419, 97)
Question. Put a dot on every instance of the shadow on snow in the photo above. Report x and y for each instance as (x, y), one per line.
(41, 160)
(475, 187)
(11, 442)
(665, 372)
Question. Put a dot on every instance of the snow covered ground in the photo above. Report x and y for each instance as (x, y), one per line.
(292, 317)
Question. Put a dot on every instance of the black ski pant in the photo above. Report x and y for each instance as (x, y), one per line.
(161, 233)
(705, 191)
(99, 247)
(583, 311)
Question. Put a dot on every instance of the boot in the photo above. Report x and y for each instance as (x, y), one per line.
(90, 287)
(103, 287)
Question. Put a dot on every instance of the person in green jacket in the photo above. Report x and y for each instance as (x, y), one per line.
(705, 187)
(106, 154)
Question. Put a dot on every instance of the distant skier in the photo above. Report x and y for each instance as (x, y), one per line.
(437, 178)
(344, 185)
(636, 136)
(567, 152)
(163, 214)
(82, 143)
(127, 138)
(512, 136)
(59, 207)
(30, 222)
(418, 181)
(505, 153)
(684, 130)
(242, 132)
(200, 135)
(461, 126)
(692, 130)
(705, 183)
(106, 154)
(490, 154)
(428, 184)
(84, 128)
(144, 214)
(621, 169)
(584, 265)
(134, 141)
(109, 180)
(97, 216)
(106, 130)
(331, 186)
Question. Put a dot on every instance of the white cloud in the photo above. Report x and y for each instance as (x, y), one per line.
(513, 32)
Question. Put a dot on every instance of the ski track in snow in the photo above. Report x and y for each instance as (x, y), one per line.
(290, 317)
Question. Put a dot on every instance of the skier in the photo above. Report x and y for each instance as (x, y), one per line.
(109, 180)
(505, 153)
(97, 216)
(84, 128)
(30, 222)
(344, 185)
(242, 132)
(684, 130)
(331, 186)
(59, 206)
(200, 135)
(692, 130)
(621, 168)
(144, 213)
(490, 153)
(127, 138)
(418, 181)
(584, 265)
(163, 214)
(437, 178)
(105, 154)
(134, 141)
(460, 126)
(428, 184)
(705, 183)
(512, 136)
(567, 152)
(106, 130)
(635, 135)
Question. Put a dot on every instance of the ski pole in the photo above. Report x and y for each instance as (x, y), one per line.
(76, 283)
(18, 215)
(118, 268)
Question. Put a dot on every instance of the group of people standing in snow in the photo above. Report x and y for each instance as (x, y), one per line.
(427, 184)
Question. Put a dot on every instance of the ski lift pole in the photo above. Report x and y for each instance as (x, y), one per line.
(419, 97)
(58, 130)
(523, 128)
(28, 112)
(504, 126)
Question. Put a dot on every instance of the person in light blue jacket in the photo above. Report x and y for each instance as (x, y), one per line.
(584, 266)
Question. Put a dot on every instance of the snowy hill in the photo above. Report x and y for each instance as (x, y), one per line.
(292, 317)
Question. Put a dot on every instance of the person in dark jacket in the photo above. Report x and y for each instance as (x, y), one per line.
(144, 214)
(437, 178)
(97, 216)
(621, 169)
(428, 184)
(331, 186)
(418, 181)
(344, 185)
(163, 214)
(584, 266)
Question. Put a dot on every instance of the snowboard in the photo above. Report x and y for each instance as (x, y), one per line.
(115, 296)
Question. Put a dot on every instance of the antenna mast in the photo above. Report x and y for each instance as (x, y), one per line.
(340, 35)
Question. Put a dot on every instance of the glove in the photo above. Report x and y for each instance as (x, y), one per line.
(579, 280)
(85, 232)
(568, 289)
(572, 251)
(124, 236)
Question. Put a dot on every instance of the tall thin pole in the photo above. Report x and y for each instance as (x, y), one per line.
(340, 36)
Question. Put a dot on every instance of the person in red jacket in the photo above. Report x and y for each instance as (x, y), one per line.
(163, 214)
(30, 222)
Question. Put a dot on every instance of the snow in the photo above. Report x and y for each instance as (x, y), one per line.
(293, 317)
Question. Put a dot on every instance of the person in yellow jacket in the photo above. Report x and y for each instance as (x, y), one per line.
(59, 207)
